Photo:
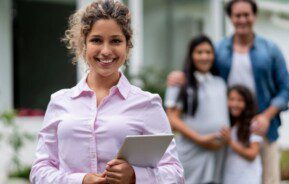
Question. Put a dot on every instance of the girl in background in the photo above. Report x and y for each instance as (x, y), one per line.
(243, 163)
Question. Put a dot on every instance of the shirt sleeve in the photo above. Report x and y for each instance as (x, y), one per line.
(45, 169)
(281, 80)
(256, 138)
(171, 97)
(169, 169)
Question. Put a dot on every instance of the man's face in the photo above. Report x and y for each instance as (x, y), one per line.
(243, 18)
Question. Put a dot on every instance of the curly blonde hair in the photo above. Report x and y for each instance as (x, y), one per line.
(81, 22)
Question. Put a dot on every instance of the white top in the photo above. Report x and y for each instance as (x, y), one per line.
(202, 165)
(241, 71)
(238, 170)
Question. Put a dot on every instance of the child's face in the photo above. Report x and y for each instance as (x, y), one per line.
(236, 103)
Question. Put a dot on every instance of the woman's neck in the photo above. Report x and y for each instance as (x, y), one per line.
(100, 83)
(202, 72)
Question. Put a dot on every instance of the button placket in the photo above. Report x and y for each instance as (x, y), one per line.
(93, 147)
(93, 153)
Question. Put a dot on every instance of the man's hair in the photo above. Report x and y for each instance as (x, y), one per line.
(229, 5)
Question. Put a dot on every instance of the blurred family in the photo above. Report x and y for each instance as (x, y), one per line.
(255, 70)
(225, 106)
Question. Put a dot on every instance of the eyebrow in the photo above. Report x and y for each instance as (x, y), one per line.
(114, 36)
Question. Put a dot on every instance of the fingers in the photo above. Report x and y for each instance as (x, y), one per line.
(260, 130)
(101, 181)
(116, 165)
(225, 134)
(225, 131)
(96, 174)
(255, 125)
(114, 175)
(103, 174)
(175, 78)
(93, 178)
(112, 180)
(118, 171)
(260, 125)
(115, 162)
(118, 168)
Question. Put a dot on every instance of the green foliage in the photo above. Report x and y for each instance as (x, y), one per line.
(150, 79)
(284, 163)
(16, 139)
(22, 173)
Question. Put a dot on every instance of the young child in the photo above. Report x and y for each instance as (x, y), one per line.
(243, 163)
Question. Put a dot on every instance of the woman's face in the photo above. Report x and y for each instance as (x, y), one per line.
(203, 57)
(106, 48)
(243, 18)
(236, 104)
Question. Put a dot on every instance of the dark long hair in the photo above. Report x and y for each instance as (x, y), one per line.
(189, 69)
(245, 118)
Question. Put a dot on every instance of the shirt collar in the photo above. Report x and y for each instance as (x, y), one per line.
(123, 86)
(80, 88)
(203, 77)
(231, 40)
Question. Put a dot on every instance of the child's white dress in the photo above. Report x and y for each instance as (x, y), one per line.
(239, 170)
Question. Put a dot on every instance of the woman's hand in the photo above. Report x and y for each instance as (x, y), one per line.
(92, 178)
(210, 141)
(119, 172)
(176, 78)
(225, 134)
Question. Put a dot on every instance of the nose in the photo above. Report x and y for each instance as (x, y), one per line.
(106, 50)
(205, 56)
(243, 19)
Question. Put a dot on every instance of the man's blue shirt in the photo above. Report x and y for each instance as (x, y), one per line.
(270, 75)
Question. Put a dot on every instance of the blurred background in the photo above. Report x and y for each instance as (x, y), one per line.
(34, 63)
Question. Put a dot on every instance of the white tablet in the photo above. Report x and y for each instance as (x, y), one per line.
(144, 150)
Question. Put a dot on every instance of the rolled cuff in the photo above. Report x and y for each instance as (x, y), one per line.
(76, 178)
(280, 103)
(142, 176)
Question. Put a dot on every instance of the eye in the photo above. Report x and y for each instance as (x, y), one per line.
(116, 41)
(199, 52)
(238, 15)
(95, 40)
(246, 15)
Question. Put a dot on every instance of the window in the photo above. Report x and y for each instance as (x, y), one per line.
(41, 62)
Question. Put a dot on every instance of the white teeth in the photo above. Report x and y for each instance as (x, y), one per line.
(106, 60)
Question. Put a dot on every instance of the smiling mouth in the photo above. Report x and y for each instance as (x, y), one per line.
(106, 61)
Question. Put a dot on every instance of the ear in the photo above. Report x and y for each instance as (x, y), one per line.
(127, 52)
(127, 49)
(84, 56)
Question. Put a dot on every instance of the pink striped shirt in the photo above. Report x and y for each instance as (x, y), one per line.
(78, 137)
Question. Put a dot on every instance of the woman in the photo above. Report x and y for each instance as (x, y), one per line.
(198, 111)
(85, 126)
